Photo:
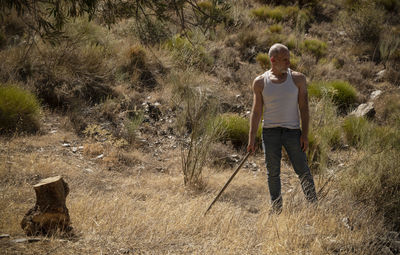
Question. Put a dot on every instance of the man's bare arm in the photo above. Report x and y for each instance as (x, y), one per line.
(301, 83)
(256, 111)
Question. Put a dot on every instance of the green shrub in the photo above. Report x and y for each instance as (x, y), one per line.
(236, 129)
(332, 134)
(356, 130)
(291, 42)
(277, 14)
(294, 61)
(263, 60)
(314, 46)
(264, 13)
(19, 110)
(384, 137)
(276, 28)
(343, 94)
(189, 53)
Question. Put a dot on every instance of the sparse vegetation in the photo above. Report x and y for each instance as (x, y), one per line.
(356, 130)
(145, 114)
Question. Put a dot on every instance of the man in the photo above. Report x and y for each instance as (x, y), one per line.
(279, 94)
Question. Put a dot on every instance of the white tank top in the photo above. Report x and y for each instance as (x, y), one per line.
(281, 106)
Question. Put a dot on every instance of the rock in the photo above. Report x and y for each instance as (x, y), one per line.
(50, 214)
(365, 110)
(26, 240)
(4, 236)
(375, 94)
(380, 75)
(346, 223)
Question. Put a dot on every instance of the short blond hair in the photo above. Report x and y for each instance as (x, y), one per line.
(276, 49)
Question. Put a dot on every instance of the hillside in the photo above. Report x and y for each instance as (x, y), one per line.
(143, 108)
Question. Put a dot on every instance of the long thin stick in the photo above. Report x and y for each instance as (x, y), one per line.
(227, 183)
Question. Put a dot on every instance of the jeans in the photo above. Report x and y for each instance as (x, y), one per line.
(273, 139)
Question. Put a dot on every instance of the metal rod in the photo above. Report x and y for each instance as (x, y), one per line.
(230, 179)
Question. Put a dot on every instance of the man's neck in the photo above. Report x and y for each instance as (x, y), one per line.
(279, 73)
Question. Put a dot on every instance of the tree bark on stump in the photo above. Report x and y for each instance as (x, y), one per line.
(50, 212)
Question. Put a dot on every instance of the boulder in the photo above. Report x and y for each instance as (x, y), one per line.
(365, 110)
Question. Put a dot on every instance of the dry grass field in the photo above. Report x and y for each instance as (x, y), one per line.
(140, 210)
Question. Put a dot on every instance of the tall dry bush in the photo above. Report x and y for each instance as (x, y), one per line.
(197, 126)
(375, 180)
(74, 69)
(363, 21)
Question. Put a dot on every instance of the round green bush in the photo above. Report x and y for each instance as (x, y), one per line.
(342, 93)
(236, 129)
(316, 47)
(19, 110)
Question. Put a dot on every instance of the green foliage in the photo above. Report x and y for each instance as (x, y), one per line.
(314, 46)
(263, 60)
(276, 14)
(343, 94)
(236, 129)
(19, 110)
(189, 53)
(294, 61)
(356, 130)
(276, 28)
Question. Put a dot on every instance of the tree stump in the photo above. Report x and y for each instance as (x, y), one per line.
(50, 212)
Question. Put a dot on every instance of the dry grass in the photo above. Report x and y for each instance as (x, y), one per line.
(149, 212)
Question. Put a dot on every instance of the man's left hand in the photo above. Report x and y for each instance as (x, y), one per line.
(304, 142)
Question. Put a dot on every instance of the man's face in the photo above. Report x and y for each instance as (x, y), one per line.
(281, 61)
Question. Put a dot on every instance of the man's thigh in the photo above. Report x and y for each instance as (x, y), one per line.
(298, 158)
(272, 145)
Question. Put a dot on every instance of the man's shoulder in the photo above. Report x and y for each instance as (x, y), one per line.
(259, 82)
(298, 77)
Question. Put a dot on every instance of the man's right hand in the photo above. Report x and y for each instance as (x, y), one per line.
(251, 148)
